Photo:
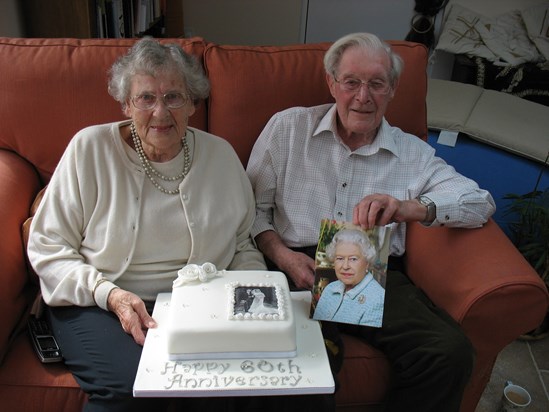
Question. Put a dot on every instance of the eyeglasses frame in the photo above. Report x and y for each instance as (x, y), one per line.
(362, 83)
(163, 98)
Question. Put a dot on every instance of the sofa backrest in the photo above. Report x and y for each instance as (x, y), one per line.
(250, 84)
(51, 88)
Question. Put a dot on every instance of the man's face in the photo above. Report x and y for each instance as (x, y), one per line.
(360, 111)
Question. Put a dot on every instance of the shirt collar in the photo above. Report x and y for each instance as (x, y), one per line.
(383, 141)
(327, 123)
(357, 289)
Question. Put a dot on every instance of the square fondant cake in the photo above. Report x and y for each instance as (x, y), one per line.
(230, 314)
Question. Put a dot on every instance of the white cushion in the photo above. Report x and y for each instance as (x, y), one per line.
(495, 118)
(536, 20)
(461, 33)
(502, 39)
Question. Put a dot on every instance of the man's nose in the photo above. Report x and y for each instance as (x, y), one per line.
(363, 92)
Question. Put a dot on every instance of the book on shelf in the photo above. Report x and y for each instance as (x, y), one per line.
(129, 18)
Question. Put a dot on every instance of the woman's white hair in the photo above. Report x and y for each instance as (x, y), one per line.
(355, 236)
(367, 42)
(148, 56)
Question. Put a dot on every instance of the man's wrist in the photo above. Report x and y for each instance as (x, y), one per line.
(431, 210)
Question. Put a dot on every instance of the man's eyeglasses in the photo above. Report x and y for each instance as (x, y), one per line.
(148, 101)
(353, 85)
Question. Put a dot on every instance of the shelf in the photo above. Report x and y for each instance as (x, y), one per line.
(102, 18)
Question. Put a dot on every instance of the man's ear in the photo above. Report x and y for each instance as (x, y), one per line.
(394, 88)
(331, 84)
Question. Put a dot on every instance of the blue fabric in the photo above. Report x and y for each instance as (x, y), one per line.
(496, 170)
(362, 305)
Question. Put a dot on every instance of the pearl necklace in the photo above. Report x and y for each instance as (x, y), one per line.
(151, 172)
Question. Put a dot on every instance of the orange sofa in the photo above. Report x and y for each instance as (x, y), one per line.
(51, 88)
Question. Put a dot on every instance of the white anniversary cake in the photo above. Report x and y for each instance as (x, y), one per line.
(230, 314)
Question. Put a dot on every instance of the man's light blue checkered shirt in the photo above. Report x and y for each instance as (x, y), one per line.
(301, 173)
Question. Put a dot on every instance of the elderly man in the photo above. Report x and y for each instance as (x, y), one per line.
(344, 161)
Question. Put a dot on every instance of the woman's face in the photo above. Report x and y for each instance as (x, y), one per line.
(349, 264)
(160, 128)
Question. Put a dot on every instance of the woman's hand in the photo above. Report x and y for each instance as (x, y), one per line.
(132, 313)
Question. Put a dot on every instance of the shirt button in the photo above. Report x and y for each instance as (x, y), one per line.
(447, 217)
(339, 214)
(344, 185)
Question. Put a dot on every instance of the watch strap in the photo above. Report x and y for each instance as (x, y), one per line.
(431, 209)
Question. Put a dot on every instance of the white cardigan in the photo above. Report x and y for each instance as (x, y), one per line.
(87, 223)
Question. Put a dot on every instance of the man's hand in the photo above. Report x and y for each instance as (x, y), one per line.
(132, 313)
(298, 266)
(380, 210)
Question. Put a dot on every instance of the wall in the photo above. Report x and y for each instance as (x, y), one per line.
(246, 22)
(328, 20)
(279, 22)
(10, 24)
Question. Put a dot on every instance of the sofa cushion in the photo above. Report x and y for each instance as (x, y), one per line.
(68, 79)
(19, 186)
(262, 80)
(28, 385)
(363, 363)
(408, 109)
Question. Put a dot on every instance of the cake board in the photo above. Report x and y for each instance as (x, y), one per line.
(307, 373)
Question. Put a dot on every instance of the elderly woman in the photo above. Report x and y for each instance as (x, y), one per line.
(356, 297)
(129, 204)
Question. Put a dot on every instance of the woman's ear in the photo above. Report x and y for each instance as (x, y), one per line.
(192, 108)
(126, 109)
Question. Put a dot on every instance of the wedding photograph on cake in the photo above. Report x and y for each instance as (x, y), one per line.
(256, 301)
(350, 273)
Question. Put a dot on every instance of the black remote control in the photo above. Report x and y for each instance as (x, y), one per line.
(43, 341)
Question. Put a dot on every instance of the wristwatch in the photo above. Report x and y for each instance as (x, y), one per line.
(431, 209)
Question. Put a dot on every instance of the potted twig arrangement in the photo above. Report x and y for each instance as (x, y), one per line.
(530, 234)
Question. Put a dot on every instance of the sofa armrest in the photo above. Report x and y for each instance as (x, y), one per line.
(19, 184)
(480, 279)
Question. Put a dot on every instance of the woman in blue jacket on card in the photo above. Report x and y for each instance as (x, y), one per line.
(356, 296)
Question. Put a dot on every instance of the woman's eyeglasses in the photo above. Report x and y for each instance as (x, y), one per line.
(148, 101)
